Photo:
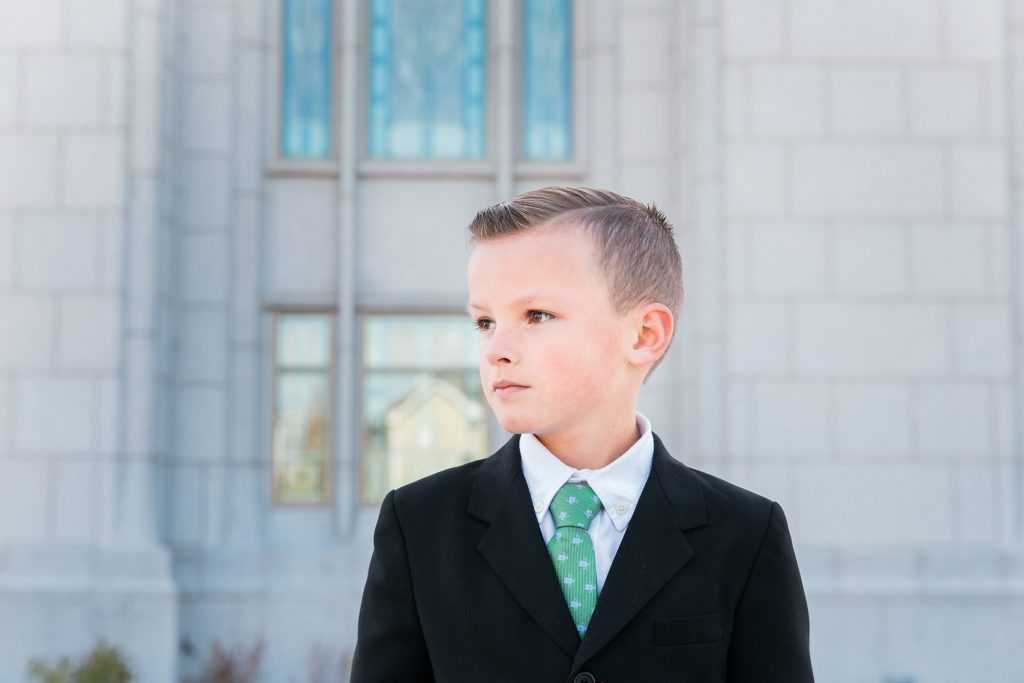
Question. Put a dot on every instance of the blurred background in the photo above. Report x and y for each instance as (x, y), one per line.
(232, 251)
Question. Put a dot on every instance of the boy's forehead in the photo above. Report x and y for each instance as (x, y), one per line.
(545, 246)
(538, 265)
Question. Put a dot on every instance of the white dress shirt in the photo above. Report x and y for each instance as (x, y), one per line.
(618, 484)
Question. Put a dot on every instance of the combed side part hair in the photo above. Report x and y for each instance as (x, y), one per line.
(634, 242)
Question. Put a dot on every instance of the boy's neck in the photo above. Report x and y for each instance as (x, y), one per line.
(592, 449)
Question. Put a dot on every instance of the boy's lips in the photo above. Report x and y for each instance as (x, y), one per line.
(504, 388)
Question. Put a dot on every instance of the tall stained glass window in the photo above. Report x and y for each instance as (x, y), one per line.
(306, 78)
(302, 408)
(423, 408)
(427, 79)
(547, 79)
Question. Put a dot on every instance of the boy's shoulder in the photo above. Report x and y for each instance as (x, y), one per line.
(454, 486)
(447, 485)
(724, 492)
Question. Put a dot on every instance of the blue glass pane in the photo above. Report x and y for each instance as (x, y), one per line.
(547, 79)
(306, 78)
(427, 79)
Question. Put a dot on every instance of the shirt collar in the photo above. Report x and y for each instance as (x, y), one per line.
(618, 484)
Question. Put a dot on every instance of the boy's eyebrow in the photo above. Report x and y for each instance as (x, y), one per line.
(529, 298)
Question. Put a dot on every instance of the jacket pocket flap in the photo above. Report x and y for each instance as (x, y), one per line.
(705, 628)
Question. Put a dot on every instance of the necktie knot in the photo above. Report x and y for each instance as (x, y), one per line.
(575, 505)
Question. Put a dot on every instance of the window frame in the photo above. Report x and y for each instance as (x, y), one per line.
(519, 91)
(329, 468)
(384, 166)
(362, 313)
(499, 30)
(366, 79)
(576, 166)
(277, 163)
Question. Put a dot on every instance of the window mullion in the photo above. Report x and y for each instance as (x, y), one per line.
(504, 95)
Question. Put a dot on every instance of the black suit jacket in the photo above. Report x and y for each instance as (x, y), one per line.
(704, 586)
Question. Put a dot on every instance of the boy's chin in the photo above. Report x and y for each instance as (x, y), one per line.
(514, 424)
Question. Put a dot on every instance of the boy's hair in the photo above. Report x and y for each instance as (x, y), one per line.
(635, 246)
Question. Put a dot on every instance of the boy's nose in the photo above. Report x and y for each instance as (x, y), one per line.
(497, 357)
(498, 351)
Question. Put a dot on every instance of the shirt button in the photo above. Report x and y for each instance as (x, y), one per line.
(538, 507)
(621, 508)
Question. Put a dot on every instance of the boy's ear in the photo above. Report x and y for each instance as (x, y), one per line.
(653, 331)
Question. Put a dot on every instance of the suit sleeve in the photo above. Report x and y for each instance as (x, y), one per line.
(771, 629)
(389, 642)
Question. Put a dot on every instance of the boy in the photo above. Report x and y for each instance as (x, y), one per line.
(581, 550)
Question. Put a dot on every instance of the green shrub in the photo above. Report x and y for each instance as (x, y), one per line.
(104, 664)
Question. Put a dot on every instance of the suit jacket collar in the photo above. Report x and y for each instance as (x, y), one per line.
(514, 547)
(652, 551)
(681, 488)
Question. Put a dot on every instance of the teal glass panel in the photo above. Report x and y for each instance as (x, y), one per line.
(547, 79)
(427, 79)
(303, 340)
(419, 342)
(306, 78)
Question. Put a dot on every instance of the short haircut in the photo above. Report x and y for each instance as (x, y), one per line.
(634, 241)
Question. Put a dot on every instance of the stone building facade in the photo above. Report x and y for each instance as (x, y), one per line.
(847, 183)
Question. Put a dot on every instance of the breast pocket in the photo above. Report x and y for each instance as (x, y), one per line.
(698, 630)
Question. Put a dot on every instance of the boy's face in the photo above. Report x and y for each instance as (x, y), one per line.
(547, 326)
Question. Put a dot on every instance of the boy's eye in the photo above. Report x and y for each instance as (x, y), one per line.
(484, 324)
(537, 316)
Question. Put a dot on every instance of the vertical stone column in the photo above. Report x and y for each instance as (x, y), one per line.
(503, 55)
(346, 433)
(204, 221)
(601, 88)
(1013, 535)
(707, 304)
(245, 497)
(651, 57)
(132, 498)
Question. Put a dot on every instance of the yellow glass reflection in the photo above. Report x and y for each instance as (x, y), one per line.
(418, 420)
(433, 427)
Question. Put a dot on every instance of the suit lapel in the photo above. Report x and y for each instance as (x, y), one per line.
(653, 549)
(513, 545)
